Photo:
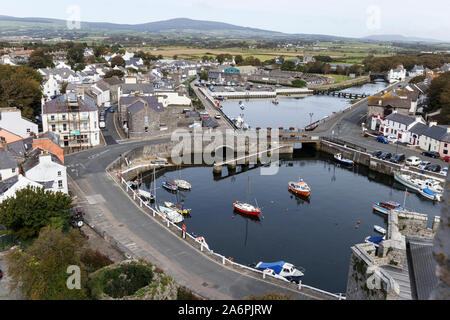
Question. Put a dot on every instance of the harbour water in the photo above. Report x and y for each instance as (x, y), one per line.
(294, 111)
(315, 234)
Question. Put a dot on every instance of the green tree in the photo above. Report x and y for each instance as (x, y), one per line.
(114, 73)
(439, 97)
(39, 59)
(117, 61)
(21, 87)
(288, 65)
(238, 59)
(299, 83)
(40, 271)
(204, 76)
(75, 54)
(34, 208)
(99, 51)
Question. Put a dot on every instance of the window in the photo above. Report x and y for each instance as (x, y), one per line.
(64, 117)
(60, 184)
(59, 173)
(64, 127)
(52, 118)
(146, 129)
(13, 170)
(28, 130)
(53, 127)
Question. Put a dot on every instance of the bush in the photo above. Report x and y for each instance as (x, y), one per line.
(126, 279)
(94, 260)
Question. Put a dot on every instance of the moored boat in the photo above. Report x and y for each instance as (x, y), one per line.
(170, 186)
(429, 194)
(418, 184)
(300, 188)
(171, 214)
(340, 158)
(246, 208)
(387, 207)
(284, 269)
(379, 229)
(160, 161)
(376, 240)
(182, 184)
(177, 208)
(202, 241)
(147, 195)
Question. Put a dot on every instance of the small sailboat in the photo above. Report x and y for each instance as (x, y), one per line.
(300, 188)
(340, 158)
(170, 186)
(429, 194)
(246, 207)
(177, 208)
(379, 229)
(275, 101)
(171, 214)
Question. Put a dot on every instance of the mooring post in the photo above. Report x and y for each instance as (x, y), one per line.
(300, 285)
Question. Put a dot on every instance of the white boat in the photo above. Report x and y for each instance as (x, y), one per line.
(202, 241)
(379, 229)
(182, 184)
(147, 195)
(283, 269)
(171, 214)
(429, 194)
(340, 158)
(418, 184)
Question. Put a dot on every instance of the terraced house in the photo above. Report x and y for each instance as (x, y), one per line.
(74, 120)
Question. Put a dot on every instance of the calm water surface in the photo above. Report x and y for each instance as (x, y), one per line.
(294, 112)
(316, 235)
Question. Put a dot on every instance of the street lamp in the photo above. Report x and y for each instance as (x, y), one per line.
(311, 115)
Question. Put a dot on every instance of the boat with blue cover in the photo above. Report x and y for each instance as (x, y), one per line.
(376, 240)
(429, 194)
(283, 269)
(340, 158)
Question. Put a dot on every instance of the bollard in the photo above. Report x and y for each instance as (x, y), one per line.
(168, 223)
(141, 202)
(300, 285)
(223, 260)
(201, 247)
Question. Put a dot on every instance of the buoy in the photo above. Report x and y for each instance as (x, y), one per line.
(358, 222)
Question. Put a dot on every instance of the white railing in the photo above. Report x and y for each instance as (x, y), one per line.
(224, 260)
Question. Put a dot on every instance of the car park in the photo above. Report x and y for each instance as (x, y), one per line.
(413, 161)
(431, 154)
(398, 158)
(382, 139)
(385, 156)
(433, 168)
(444, 171)
(376, 153)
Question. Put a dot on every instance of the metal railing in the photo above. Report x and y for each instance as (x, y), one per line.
(142, 203)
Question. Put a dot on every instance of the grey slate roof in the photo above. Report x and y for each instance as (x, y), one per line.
(59, 105)
(140, 87)
(400, 118)
(5, 185)
(135, 107)
(435, 132)
(6, 161)
(418, 128)
(423, 268)
(137, 103)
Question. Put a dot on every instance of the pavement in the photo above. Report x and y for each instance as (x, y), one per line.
(5, 294)
(109, 208)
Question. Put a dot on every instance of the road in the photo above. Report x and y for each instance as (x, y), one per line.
(110, 208)
(109, 133)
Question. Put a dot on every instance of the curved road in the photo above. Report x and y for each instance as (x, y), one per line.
(110, 208)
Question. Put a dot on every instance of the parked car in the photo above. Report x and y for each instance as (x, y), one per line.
(433, 168)
(382, 139)
(112, 110)
(413, 161)
(423, 164)
(385, 156)
(218, 117)
(431, 154)
(444, 171)
(398, 158)
(446, 158)
(392, 139)
(377, 153)
(102, 124)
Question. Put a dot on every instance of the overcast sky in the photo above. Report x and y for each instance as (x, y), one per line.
(353, 18)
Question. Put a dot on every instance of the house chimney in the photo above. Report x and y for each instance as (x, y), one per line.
(433, 123)
(3, 144)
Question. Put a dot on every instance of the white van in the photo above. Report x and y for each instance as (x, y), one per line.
(102, 124)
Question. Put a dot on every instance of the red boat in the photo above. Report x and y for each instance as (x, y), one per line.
(246, 208)
(300, 188)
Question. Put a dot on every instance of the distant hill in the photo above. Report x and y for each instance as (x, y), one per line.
(397, 38)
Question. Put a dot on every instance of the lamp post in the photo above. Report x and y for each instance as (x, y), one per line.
(311, 115)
